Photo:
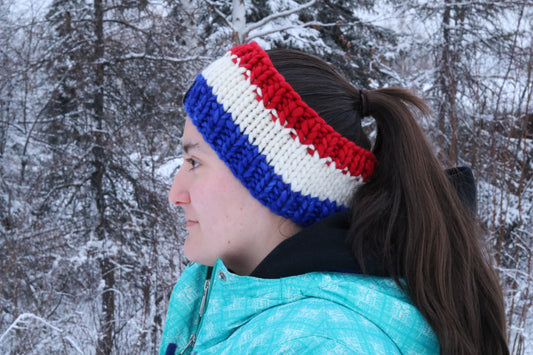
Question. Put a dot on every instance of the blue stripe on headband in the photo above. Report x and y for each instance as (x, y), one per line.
(246, 163)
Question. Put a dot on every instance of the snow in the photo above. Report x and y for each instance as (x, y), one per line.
(51, 240)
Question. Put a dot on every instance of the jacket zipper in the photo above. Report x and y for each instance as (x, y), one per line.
(190, 344)
(192, 339)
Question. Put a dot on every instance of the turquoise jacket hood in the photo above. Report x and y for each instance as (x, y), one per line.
(318, 313)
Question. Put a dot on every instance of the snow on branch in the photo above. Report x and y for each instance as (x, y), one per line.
(290, 27)
(272, 17)
(74, 345)
(220, 13)
(23, 318)
(241, 29)
(244, 34)
(131, 56)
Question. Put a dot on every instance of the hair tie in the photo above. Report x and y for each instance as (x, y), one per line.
(363, 98)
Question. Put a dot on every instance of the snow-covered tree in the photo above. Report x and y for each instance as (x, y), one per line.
(90, 126)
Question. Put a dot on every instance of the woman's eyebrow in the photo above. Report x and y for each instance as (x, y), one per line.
(190, 146)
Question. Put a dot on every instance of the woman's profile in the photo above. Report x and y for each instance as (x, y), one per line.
(304, 238)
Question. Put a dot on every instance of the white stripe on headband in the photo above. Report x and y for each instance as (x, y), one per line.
(312, 175)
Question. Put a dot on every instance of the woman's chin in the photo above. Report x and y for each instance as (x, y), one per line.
(194, 254)
(189, 249)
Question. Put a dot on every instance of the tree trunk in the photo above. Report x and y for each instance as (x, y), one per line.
(448, 83)
(107, 323)
(239, 21)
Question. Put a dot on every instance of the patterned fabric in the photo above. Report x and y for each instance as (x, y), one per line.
(315, 313)
(273, 142)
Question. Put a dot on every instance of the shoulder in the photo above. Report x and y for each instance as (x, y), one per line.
(334, 311)
(307, 344)
(310, 324)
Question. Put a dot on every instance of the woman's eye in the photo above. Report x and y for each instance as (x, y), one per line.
(192, 162)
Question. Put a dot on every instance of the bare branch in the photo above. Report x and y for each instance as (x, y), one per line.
(131, 56)
(220, 13)
(21, 318)
(128, 25)
(74, 345)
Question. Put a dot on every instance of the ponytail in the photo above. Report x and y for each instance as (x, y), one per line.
(408, 217)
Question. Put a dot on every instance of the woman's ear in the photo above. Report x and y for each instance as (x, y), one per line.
(288, 228)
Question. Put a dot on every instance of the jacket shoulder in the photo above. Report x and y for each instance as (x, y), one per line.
(316, 324)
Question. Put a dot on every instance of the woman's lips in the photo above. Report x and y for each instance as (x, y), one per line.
(191, 223)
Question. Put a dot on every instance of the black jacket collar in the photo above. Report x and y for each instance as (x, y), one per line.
(322, 246)
(319, 247)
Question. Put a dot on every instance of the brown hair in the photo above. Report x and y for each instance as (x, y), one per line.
(409, 216)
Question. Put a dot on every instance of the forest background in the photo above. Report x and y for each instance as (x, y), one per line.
(90, 126)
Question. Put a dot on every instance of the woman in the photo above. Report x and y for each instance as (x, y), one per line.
(304, 240)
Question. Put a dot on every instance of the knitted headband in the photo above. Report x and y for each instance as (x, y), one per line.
(288, 157)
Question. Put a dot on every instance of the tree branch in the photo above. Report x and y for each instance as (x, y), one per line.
(21, 318)
(131, 56)
(278, 15)
(220, 13)
(289, 27)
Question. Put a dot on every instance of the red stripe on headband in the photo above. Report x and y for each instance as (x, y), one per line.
(295, 113)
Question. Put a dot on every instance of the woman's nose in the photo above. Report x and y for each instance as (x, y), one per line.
(178, 194)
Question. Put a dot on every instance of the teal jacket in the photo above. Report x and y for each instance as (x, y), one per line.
(306, 297)
(313, 313)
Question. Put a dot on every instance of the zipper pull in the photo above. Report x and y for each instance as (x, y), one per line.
(192, 339)
(191, 342)
(204, 297)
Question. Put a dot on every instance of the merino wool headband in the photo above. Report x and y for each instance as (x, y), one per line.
(288, 157)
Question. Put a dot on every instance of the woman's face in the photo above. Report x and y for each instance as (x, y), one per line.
(223, 219)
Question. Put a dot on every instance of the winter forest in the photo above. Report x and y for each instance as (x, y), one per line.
(90, 126)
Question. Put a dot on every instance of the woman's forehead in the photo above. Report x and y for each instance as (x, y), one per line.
(192, 139)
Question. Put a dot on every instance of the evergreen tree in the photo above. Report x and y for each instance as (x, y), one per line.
(96, 192)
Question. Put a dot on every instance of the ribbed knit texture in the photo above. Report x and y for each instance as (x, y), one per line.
(288, 157)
